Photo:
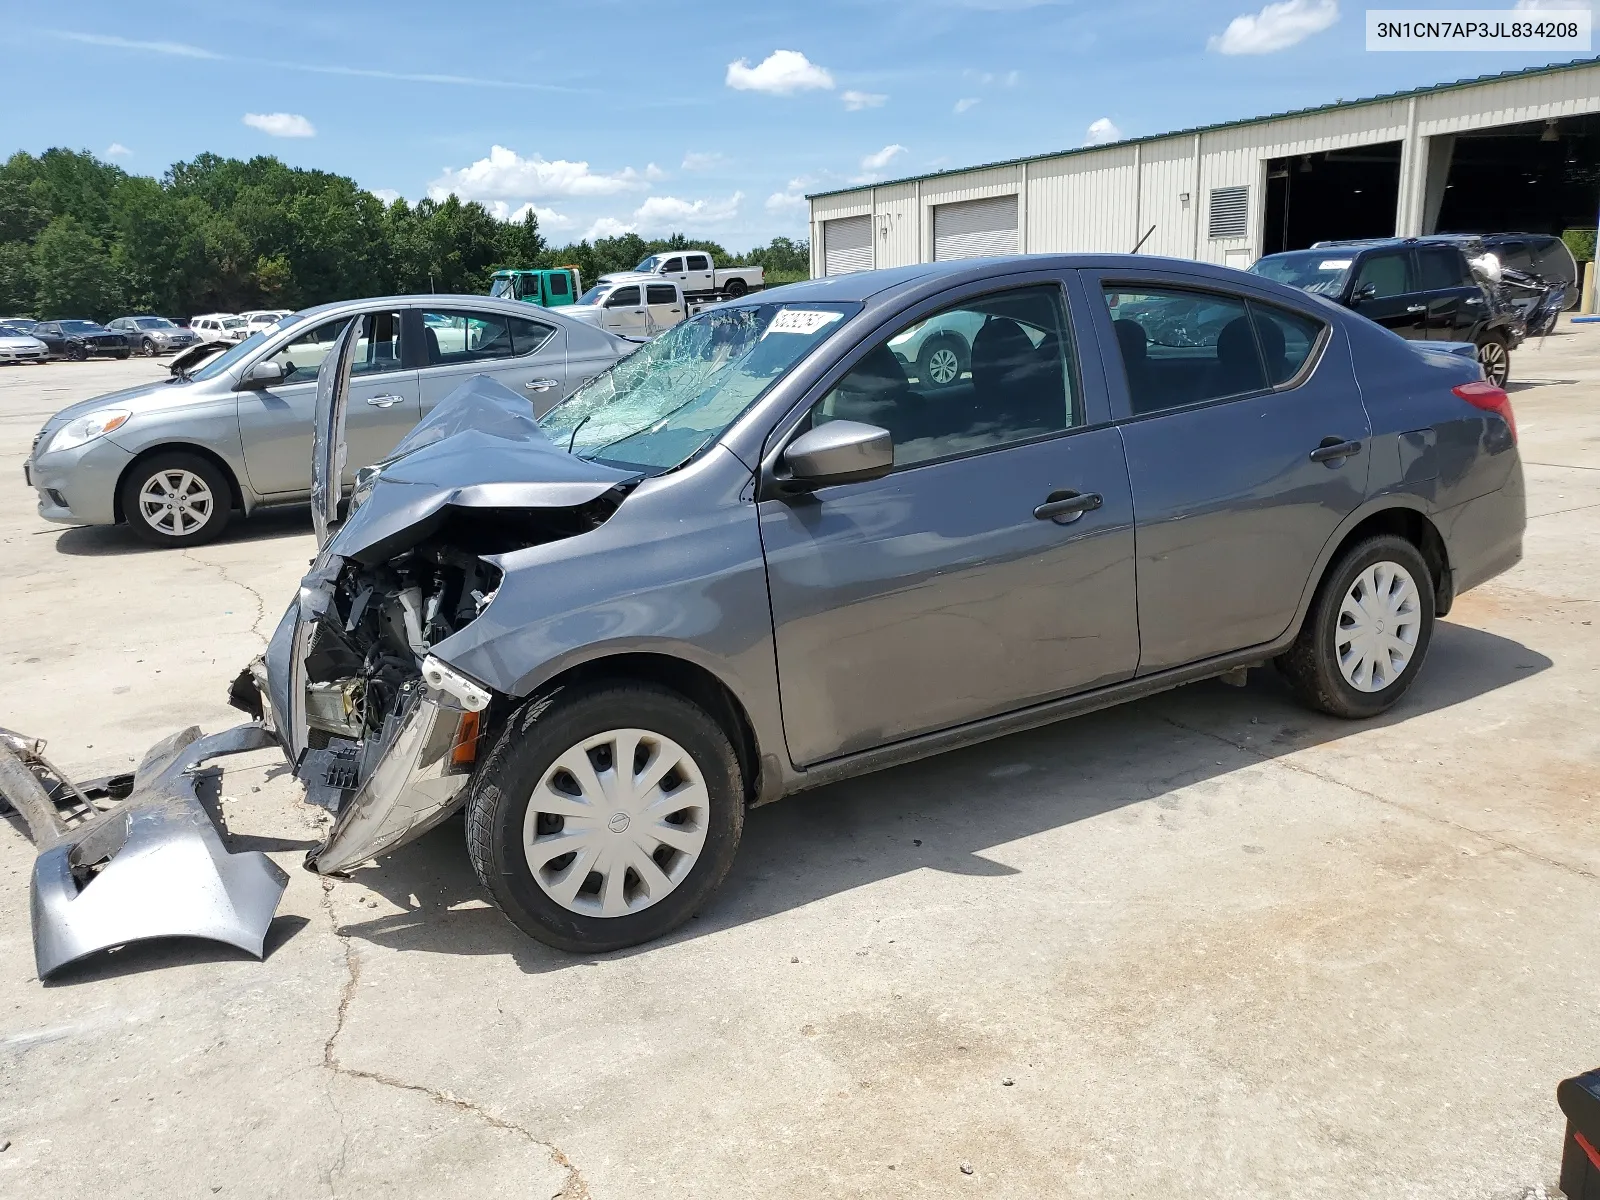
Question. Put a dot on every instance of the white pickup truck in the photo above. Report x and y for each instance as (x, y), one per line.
(694, 272)
(636, 306)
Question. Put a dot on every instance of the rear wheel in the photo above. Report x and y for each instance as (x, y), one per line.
(176, 499)
(736, 288)
(605, 815)
(1495, 359)
(1368, 630)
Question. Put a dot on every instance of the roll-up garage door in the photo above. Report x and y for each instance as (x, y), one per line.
(975, 228)
(847, 245)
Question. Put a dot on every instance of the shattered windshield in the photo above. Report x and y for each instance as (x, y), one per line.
(665, 402)
(1320, 272)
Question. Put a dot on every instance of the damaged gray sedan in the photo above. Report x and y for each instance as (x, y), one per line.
(764, 553)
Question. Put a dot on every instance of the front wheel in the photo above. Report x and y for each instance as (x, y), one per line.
(1495, 359)
(176, 500)
(1367, 633)
(78, 353)
(147, 348)
(605, 815)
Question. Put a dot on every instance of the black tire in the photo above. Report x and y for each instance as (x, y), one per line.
(735, 289)
(936, 358)
(1494, 358)
(538, 734)
(147, 348)
(218, 513)
(1311, 665)
(78, 353)
(124, 354)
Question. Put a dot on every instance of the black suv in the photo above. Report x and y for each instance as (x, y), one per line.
(1420, 288)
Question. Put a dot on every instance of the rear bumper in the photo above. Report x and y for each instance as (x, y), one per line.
(1483, 536)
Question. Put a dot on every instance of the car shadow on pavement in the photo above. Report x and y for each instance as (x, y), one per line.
(98, 541)
(944, 813)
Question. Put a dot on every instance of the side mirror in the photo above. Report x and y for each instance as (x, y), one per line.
(839, 452)
(263, 375)
(1367, 291)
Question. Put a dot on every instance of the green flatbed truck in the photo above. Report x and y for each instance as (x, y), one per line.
(548, 288)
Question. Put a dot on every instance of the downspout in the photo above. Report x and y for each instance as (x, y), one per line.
(1022, 210)
(1195, 252)
(1138, 192)
(921, 258)
(874, 224)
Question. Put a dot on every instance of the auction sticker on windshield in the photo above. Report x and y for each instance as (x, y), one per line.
(1333, 264)
(801, 320)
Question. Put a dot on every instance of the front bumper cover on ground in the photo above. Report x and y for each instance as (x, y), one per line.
(153, 866)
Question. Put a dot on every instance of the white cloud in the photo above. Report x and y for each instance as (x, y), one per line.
(699, 160)
(668, 213)
(1102, 131)
(506, 175)
(786, 202)
(607, 227)
(175, 49)
(856, 101)
(549, 218)
(1012, 78)
(1275, 27)
(781, 73)
(387, 195)
(654, 173)
(117, 150)
(281, 125)
(965, 103)
(880, 160)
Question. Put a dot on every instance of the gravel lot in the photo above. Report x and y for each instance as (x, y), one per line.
(1208, 944)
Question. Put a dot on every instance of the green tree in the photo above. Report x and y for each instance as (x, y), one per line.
(74, 275)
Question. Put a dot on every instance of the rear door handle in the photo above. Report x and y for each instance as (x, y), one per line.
(1066, 507)
(1332, 448)
(385, 401)
(1416, 308)
(540, 385)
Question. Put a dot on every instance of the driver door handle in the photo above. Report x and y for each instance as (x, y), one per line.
(1333, 448)
(385, 401)
(540, 385)
(1066, 507)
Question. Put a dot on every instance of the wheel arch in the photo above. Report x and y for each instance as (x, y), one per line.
(690, 680)
(236, 493)
(1400, 515)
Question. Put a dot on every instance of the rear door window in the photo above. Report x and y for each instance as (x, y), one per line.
(1388, 273)
(661, 293)
(699, 262)
(1440, 268)
(1181, 347)
(457, 337)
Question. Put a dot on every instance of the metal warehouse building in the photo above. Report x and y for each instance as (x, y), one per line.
(1518, 151)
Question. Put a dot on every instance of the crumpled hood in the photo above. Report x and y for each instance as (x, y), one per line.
(480, 447)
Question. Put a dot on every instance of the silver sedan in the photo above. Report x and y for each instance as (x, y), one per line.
(175, 459)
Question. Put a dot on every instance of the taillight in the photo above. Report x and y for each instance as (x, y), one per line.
(1480, 393)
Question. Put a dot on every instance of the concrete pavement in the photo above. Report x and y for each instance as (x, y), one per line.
(1206, 944)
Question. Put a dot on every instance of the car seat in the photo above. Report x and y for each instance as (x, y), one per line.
(1135, 346)
(1238, 360)
(1014, 387)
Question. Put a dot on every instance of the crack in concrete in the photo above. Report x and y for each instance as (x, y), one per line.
(255, 596)
(1421, 814)
(573, 1188)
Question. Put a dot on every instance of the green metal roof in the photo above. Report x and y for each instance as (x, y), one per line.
(1550, 69)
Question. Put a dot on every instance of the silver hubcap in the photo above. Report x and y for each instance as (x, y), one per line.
(943, 365)
(616, 823)
(1378, 626)
(176, 502)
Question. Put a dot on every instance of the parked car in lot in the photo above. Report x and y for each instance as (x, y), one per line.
(19, 346)
(1420, 288)
(641, 308)
(175, 458)
(694, 272)
(219, 327)
(260, 318)
(23, 323)
(755, 557)
(78, 340)
(150, 336)
(548, 288)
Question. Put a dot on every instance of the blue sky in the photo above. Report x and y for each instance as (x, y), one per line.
(711, 118)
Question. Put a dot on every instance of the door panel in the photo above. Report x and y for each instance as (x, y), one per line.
(625, 313)
(1398, 306)
(275, 423)
(665, 304)
(1232, 511)
(934, 597)
(698, 274)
